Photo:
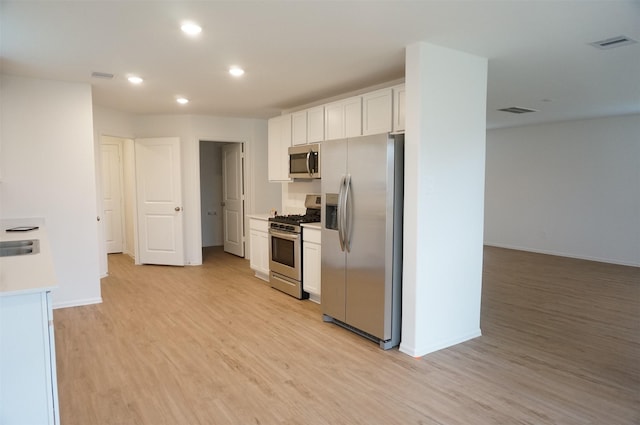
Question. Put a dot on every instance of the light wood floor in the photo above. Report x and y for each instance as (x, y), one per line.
(214, 345)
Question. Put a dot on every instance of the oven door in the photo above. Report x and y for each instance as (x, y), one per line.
(285, 254)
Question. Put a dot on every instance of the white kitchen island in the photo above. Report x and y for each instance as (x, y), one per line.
(28, 384)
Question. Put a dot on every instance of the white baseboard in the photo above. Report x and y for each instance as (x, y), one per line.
(438, 345)
(78, 303)
(562, 254)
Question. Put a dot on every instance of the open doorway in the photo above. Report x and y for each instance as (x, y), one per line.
(118, 196)
(222, 195)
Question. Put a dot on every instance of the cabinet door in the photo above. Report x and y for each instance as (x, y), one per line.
(315, 124)
(376, 112)
(334, 121)
(279, 135)
(259, 261)
(273, 151)
(399, 96)
(311, 270)
(353, 117)
(299, 128)
(27, 350)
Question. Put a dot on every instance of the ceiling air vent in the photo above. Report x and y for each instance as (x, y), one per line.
(517, 110)
(610, 43)
(104, 75)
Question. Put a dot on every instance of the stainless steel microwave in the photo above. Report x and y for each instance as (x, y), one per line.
(304, 161)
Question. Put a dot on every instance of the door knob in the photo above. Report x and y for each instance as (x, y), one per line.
(177, 208)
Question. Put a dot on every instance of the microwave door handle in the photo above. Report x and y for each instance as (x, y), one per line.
(347, 224)
(340, 215)
(309, 162)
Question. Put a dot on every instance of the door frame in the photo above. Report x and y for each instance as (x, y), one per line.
(118, 142)
(102, 249)
(244, 184)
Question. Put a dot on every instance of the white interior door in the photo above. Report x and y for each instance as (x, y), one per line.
(159, 201)
(111, 155)
(233, 198)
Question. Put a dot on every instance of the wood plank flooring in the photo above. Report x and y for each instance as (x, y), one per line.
(214, 345)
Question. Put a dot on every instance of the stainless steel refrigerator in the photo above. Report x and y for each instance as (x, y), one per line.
(362, 197)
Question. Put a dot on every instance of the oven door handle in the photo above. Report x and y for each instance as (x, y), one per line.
(285, 235)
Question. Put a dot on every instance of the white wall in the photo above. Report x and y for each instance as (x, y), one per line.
(569, 188)
(444, 191)
(294, 194)
(48, 170)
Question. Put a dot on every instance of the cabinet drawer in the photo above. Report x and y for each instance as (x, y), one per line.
(259, 225)
(311, 235)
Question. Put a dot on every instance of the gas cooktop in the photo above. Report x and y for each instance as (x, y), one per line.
(312, 215)
(297, 218)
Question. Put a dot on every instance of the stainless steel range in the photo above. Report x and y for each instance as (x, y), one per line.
(285, 248)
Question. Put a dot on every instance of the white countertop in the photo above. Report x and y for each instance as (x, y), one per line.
(264, 217)
(26, 273)
(316, 226)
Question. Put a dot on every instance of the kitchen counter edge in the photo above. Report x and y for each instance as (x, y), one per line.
(26, 273)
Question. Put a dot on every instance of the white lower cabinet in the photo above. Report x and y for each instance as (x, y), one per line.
(259, 251)
(311, 257)
(28, 383)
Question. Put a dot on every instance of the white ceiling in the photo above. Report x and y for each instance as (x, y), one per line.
(299, 52)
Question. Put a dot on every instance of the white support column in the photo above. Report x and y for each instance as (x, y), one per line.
(444, 197)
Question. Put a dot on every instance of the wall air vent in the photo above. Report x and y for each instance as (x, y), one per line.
(517, 110)
(610, 43)
(103, 75)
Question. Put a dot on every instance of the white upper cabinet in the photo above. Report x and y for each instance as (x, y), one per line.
(398, 107)
(299, 128)
(279, 135)
(315, 124)
(343, 118)
(307, 126)
(376, 112)
(353, 117)
(334, 121)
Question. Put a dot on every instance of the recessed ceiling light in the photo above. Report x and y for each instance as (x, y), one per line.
(190, 28)
(182, 100)
(135, 80)
(236, 71)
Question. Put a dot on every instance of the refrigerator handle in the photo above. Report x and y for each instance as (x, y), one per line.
(340, 214)
(347, 231)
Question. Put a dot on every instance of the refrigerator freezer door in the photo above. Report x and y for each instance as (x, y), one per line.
(369, 234)
(334, 165)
